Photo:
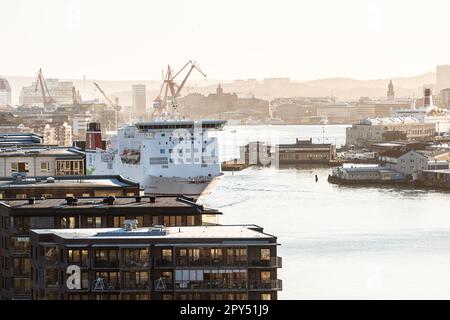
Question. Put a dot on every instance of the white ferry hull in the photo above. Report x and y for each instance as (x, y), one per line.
(175, 186)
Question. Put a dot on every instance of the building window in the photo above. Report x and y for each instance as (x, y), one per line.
(118, 222)
(167, 255)
(265, 276)
(190, 220)
(265, 254)
(78, 256)
(266, 296)
(21, 196)
(19, 167)
(68, 222)
(45, 166)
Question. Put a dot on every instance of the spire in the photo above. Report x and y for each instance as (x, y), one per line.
(391, 92)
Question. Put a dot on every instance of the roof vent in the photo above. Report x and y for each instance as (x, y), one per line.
(71, 201)
(109, 200)
(31, 200)
(130, 224)
(152, 199)
(50, 180)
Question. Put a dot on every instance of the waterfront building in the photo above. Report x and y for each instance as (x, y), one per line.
(19, 216)
(60, 91)
(435, 178)
(255, 152)
(41, 161)
(139, 101)
(161, 263)
(304, 151)
(67, 186)
(364, 174)
(5, 92)
(375, 130)
(407, 162)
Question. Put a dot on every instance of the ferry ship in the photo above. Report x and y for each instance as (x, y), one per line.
(167, 157)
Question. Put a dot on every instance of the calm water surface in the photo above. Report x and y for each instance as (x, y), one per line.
(339, 242)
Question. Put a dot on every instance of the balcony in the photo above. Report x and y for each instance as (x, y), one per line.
(273, 262)
(136, 286)
(266, 285)
(105, 264)
(203, 262)
(210, 285)
(104, 285)
(164, 264)
(140, 263)
(163, 285)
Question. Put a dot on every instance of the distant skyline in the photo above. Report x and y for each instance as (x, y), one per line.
(302, 40)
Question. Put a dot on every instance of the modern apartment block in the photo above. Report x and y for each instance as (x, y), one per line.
(19, 216)
(67, 186)
(139, 100)
(185, 263)
(42, 161)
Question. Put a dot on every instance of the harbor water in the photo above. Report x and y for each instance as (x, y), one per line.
(338, 242)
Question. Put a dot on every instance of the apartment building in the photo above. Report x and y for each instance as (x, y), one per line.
(131, 263)
(19, 216)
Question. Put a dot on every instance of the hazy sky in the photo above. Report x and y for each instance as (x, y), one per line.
(230, 39)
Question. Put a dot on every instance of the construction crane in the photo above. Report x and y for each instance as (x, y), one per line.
(114, 104)
(46, 97)
(169, 84)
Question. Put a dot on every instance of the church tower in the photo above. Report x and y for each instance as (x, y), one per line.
(391, 92)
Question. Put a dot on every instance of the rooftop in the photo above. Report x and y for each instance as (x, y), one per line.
(71, 203)
(387, 121)
(55, 151)
(99, 181)
(194, 232)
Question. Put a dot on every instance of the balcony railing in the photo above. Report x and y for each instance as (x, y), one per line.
(273, 262)
(163, 285)
(266, 285)
(164, 264)
(219, 262)
(210, 285)
(135, 286)
(51, 261)
(142, 263)
(103, 285)
(22, 292)
(106, 264)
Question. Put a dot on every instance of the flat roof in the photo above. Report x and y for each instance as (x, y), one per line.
(99, 203)
(192, 232)
(447, 171)
(56, 151)
(100, 181)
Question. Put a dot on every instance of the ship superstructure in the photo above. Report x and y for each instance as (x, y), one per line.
(165, 157)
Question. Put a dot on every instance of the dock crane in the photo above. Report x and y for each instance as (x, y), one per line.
(169, 84)
(114, 104)
(46, 97)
